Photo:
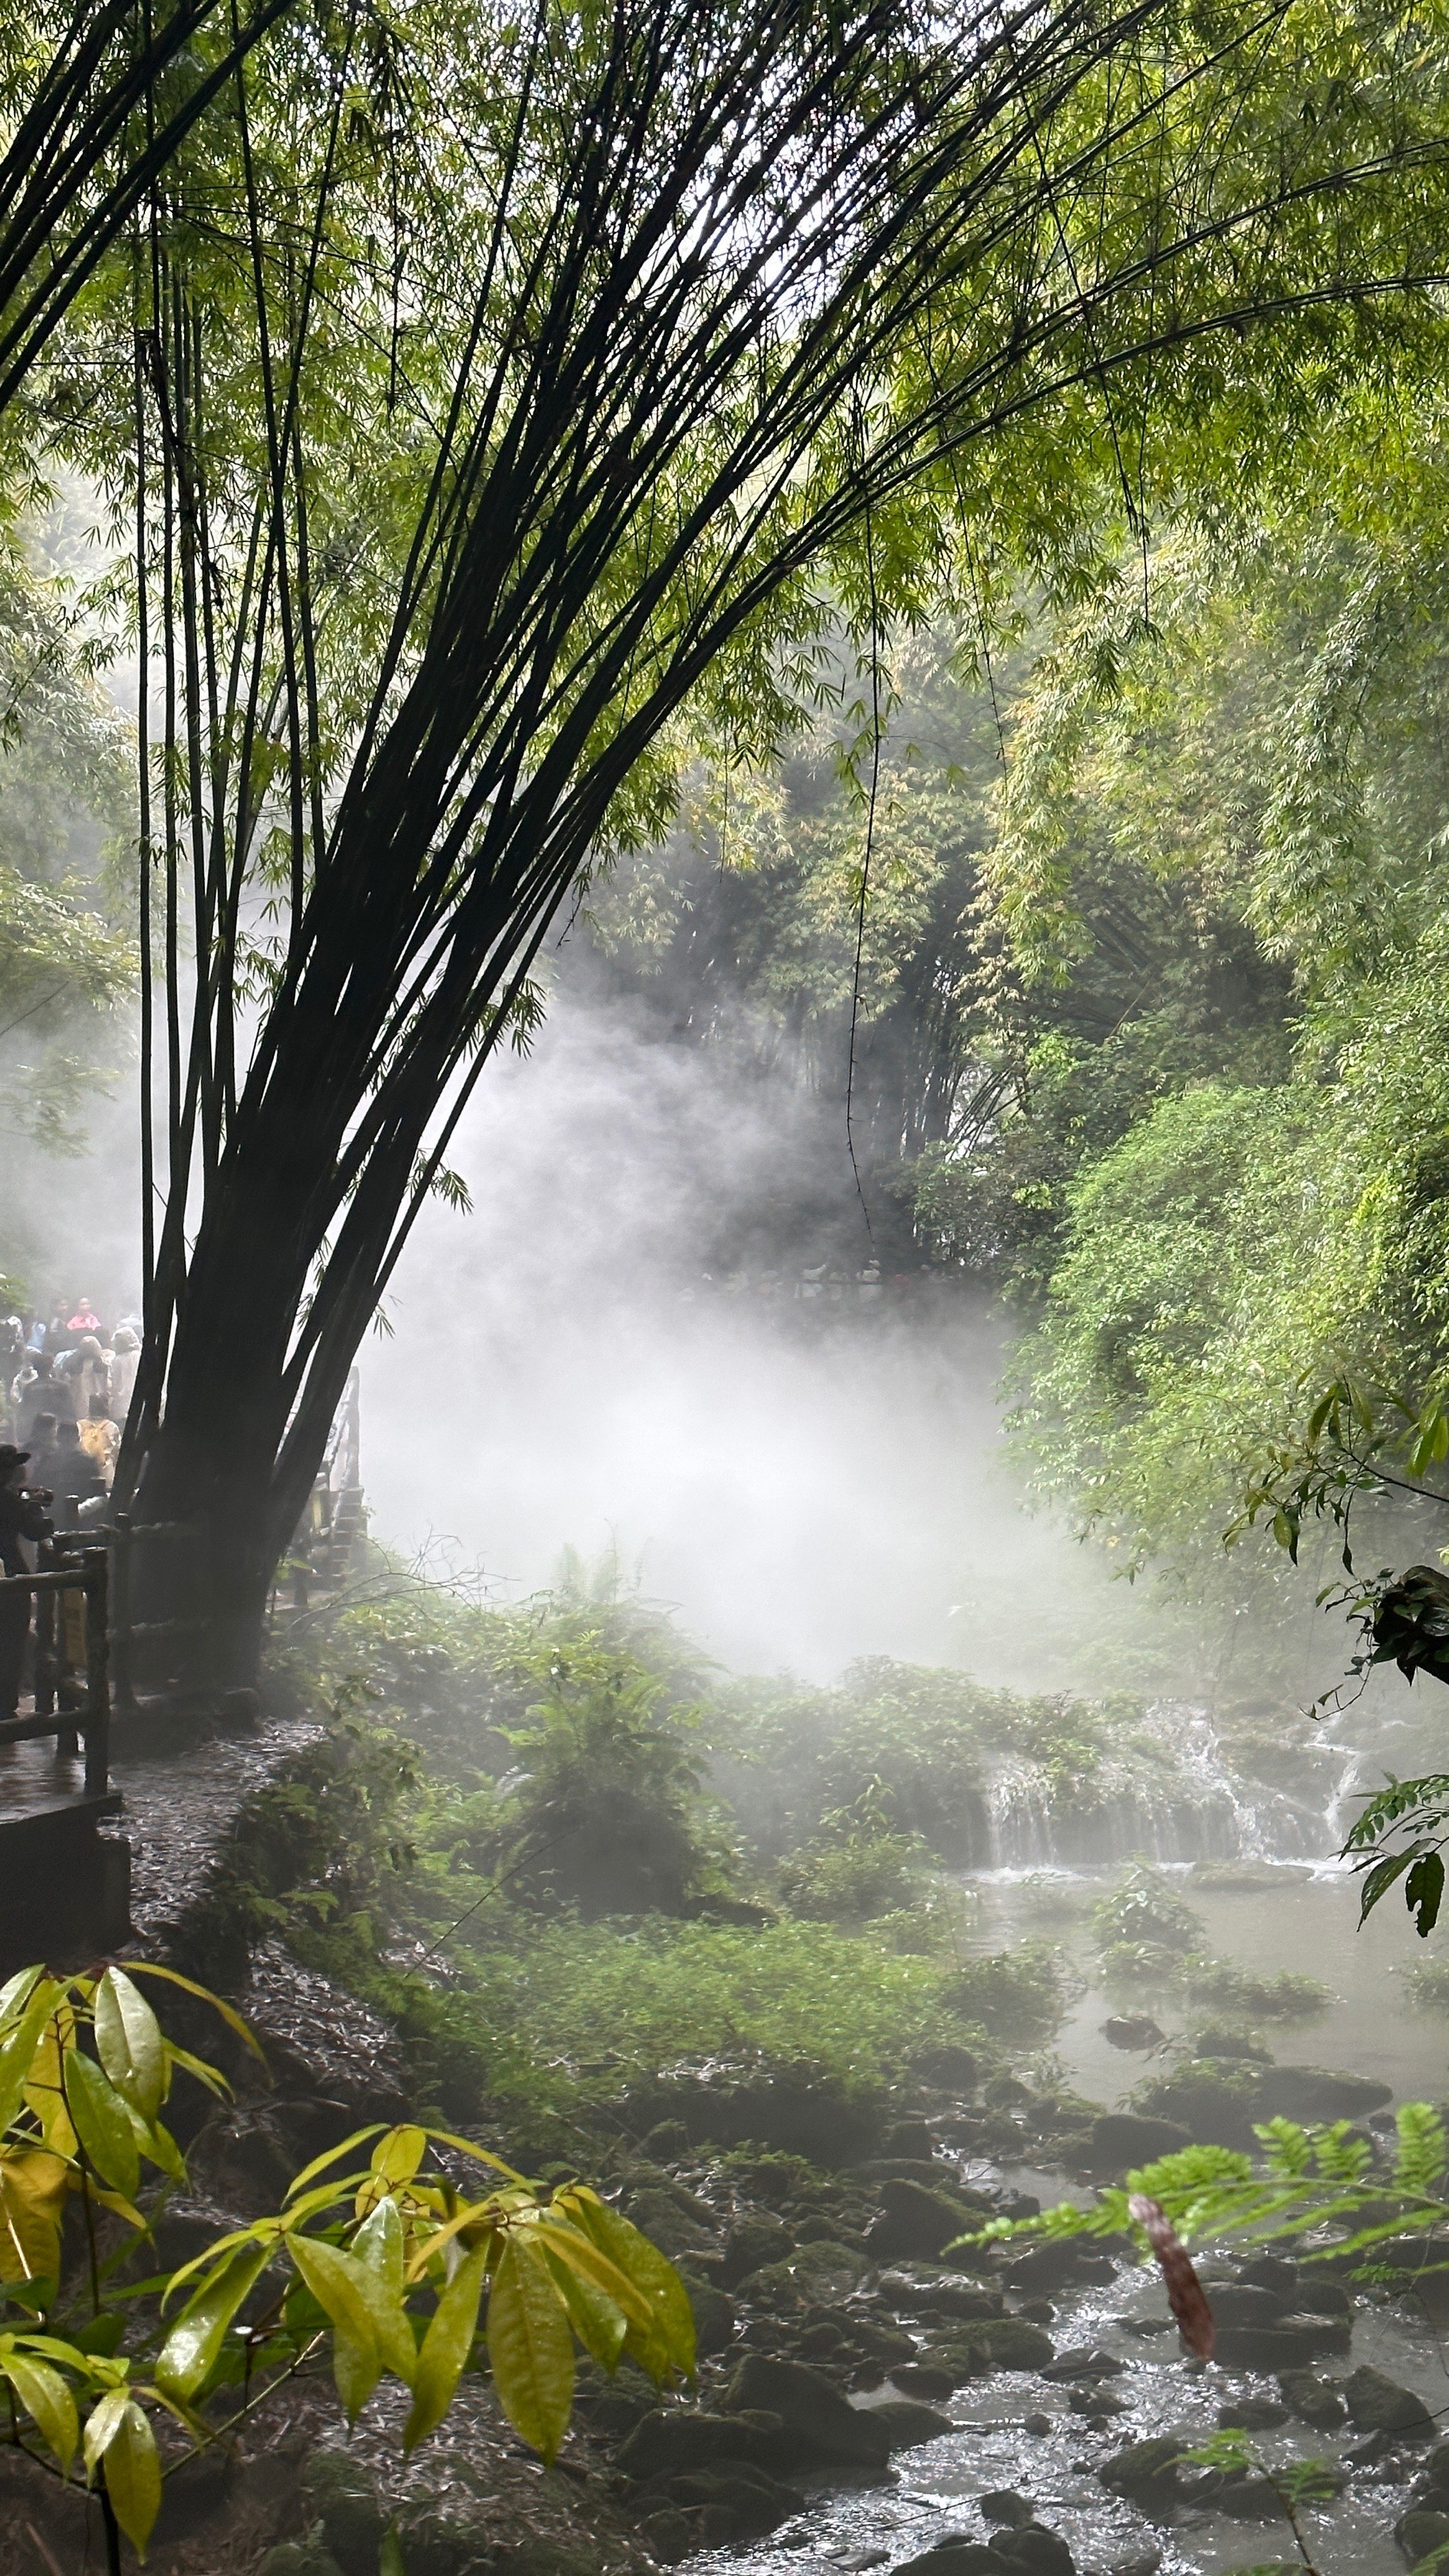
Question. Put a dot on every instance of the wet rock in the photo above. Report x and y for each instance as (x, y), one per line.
(670, 2536)
(1379, 2405)
(752, 2243)
(1315, 2297)
(740, 2502)
(1276, 2273)
(1122, 2139)
(822, 2423)
(918, 2379)
(1290, 2344)
(1146, 2471)
(715, 2316)
(1252, 2415)
(1248, 2303)
(1311, 2399)
(1317, 2093)
(1084, 2361)
(1013, 2343)
(909, 2423)
(1250, 2500)
(537, 2557)
(342, 2495)
(1432, 2484)
(1052, 2267)
(956, 2357)
(952, 2296)
(673, 2440)
(1140, 2562)
(659, 2217)
(1006, 2506)
(1421, 2531)
(914, 2220)
(950, 2067)
(1096, 2404)
(1033, 2551)
(1132, 2031)
(951, 2558)
(436, 2540)
(909, 2138)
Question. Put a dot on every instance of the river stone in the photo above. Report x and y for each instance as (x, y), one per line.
(1420, 2531)
(1013, 2343)
(714, 2315)
(1275, 2272)
(1004, 2505)
(914, 2220)
(950, 2067)
(957, 2298)
(1289, 2345)
(1250, 2500)
(1050, 2267)
(1316, 2297)
(675, 2439)
(824, 2425)
(1432, 2483)
(749, 2499)
(1317, 2093)
(956, 2356)
(830, 2269)
(909, 2423)
(1033, 2551)
(1311, 2399)
(1123, 2139)
(918, 2379)
(1252, 2415)
(1379, 2405)
(1246, 2303)
(951, 2558)
(670, 2536)
(753, 2242)
(1146, 2469)
(659, 2217)
(1083, 2361)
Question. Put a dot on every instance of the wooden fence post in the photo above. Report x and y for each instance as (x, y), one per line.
(97, 1722)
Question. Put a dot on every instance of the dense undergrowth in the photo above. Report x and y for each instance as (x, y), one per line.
(571, 1861)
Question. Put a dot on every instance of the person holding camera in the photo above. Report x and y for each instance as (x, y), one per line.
(22, 1516)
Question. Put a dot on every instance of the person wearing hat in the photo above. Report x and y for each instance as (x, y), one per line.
(22, 1516)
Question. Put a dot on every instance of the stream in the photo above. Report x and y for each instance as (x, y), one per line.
(1000, 2442)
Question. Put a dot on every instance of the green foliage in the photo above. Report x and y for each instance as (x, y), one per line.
(388, 2261)
(1144, 1907)
(1224, 1986)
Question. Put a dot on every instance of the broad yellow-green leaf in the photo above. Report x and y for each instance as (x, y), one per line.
(173, 1977)
(648, 2269)
(480, 2155)
(356, 2370)
(123, 2448)
(530, 2349)
(129, 2042)
(14, 1992)
(18, 2048)
(445, 2347)
(45, 2396)
(359, 2303)
(32, 2202)
(399, 2152)
(472, 2214)
(597, 2320)
(578, 2250)
(211, 2076)
(191, 2348)
(378, 2244)
(332, 2156)
(102, 2124)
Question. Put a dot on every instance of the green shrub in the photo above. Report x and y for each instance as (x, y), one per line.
(1143, 1909)
(1427, 1985)
(1224, 1986)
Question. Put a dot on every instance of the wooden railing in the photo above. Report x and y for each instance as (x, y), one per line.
(70, 1595)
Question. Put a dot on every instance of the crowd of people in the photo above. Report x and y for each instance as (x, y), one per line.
(66, 1382)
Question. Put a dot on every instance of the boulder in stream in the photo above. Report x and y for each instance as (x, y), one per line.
(1147, 2471)
(951, 2558)
(1123, 2139)
(915, 2221)
(1421, 2531)
(1311, 2399)
(1288, 2343)
(822, 2425)
(909, 2423)
(1033, 2551)
(1379, 2405)
(1317, 2093)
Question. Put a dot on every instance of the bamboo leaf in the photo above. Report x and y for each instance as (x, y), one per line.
(129, 2043)
(191, 2348)
(445, 2348)
(102, 2124)
(530, 2349)
(45, 2396)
